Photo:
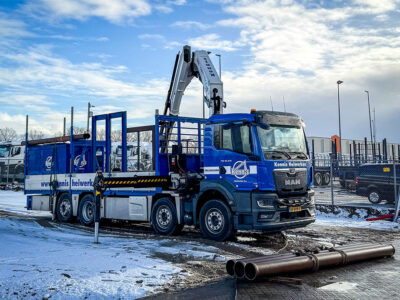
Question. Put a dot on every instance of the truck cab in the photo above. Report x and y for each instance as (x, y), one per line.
(259, 163)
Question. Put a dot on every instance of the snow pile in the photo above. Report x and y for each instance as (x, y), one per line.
(357, 220)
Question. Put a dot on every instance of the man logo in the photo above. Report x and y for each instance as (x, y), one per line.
(292, 182)
(49, 162)
(240, 170)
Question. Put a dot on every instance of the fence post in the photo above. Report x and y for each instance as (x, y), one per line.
(331, 171)
(8, 169)
(396, 198)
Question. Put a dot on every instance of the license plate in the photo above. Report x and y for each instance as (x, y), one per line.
(294, 208)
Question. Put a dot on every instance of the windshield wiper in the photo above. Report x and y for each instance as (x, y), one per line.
(299, 153)
(287, 155)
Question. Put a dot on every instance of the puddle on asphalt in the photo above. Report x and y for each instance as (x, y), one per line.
(342, 286)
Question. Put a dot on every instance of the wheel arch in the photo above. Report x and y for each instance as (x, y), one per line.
(213, 190)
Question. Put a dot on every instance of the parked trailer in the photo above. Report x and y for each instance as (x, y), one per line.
(231, 176)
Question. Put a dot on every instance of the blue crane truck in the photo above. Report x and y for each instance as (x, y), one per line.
(240, 172)
(228, 172)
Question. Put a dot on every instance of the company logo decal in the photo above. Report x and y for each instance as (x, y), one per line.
(83, 162)
(49, 162)
(240, 169)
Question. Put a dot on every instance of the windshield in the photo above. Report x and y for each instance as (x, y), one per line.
(279, 142)
(4, 151)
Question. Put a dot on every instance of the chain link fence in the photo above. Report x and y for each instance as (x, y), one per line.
(356, 182)
(11, 174)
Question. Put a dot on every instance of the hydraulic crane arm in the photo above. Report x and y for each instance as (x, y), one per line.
(198, 64)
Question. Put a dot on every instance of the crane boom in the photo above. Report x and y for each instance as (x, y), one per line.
(198, 64)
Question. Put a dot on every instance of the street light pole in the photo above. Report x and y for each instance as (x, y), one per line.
(339, 82)
(219, 60)
(369, 112)
(88, 115)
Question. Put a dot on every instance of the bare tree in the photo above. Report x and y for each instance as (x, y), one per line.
(77, 130)
(100, 134)
(35, 134)
(116, 135)
(8, 134)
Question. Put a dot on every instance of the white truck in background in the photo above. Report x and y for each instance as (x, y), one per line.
(11, 164)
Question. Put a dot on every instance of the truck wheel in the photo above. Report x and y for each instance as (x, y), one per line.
(318, 179)
(216, 221)
(327, 178)
(64, 208)
(164, 218)
(374, 196)
(86, 210)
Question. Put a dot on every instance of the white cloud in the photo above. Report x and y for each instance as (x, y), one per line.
(212, 41)
(377, 6)
(190, 25)
(113, 11)
(12, 28)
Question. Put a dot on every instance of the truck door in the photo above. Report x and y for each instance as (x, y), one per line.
(232, 156)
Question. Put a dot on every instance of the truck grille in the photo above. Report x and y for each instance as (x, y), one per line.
(290, 181)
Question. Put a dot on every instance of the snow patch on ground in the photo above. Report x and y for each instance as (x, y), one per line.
(343, 219)
(66, 264)
(15, 202)
(63, 262)
(343, 286)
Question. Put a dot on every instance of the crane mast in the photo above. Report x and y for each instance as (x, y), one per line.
(198, 64)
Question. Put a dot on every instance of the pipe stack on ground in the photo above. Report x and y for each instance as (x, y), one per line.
(275, 264)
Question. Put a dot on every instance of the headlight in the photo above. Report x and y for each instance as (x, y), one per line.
(264, 203)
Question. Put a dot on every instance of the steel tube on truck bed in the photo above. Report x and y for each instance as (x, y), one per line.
(59, 139)
(312, 262)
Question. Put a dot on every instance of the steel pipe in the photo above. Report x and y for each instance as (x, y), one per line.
(240, 265)
(59, 139)
(236, 267)
(305, 262)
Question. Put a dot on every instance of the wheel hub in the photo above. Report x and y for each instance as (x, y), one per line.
(215, 220)
(65, 208)
(88, 211)
(374, 197)
(164, 216)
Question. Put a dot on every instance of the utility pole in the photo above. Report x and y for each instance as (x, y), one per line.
(284, 104)
(369, 112)
(374, 126)
(272, 106)
(219, 59)
(339, 82)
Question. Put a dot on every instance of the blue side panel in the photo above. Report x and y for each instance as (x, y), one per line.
(48, 159)
(193, 163)
(29, 202)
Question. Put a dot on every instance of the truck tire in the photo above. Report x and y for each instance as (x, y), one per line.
(164, 218)
(326, 179)
(374, 196)
(86, 210)
(216, 221)
(317, 179)
(64, 208)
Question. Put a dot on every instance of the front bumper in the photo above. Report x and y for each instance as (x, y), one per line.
(269, 212)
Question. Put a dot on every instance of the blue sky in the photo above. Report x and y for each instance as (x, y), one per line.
(119, 56)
